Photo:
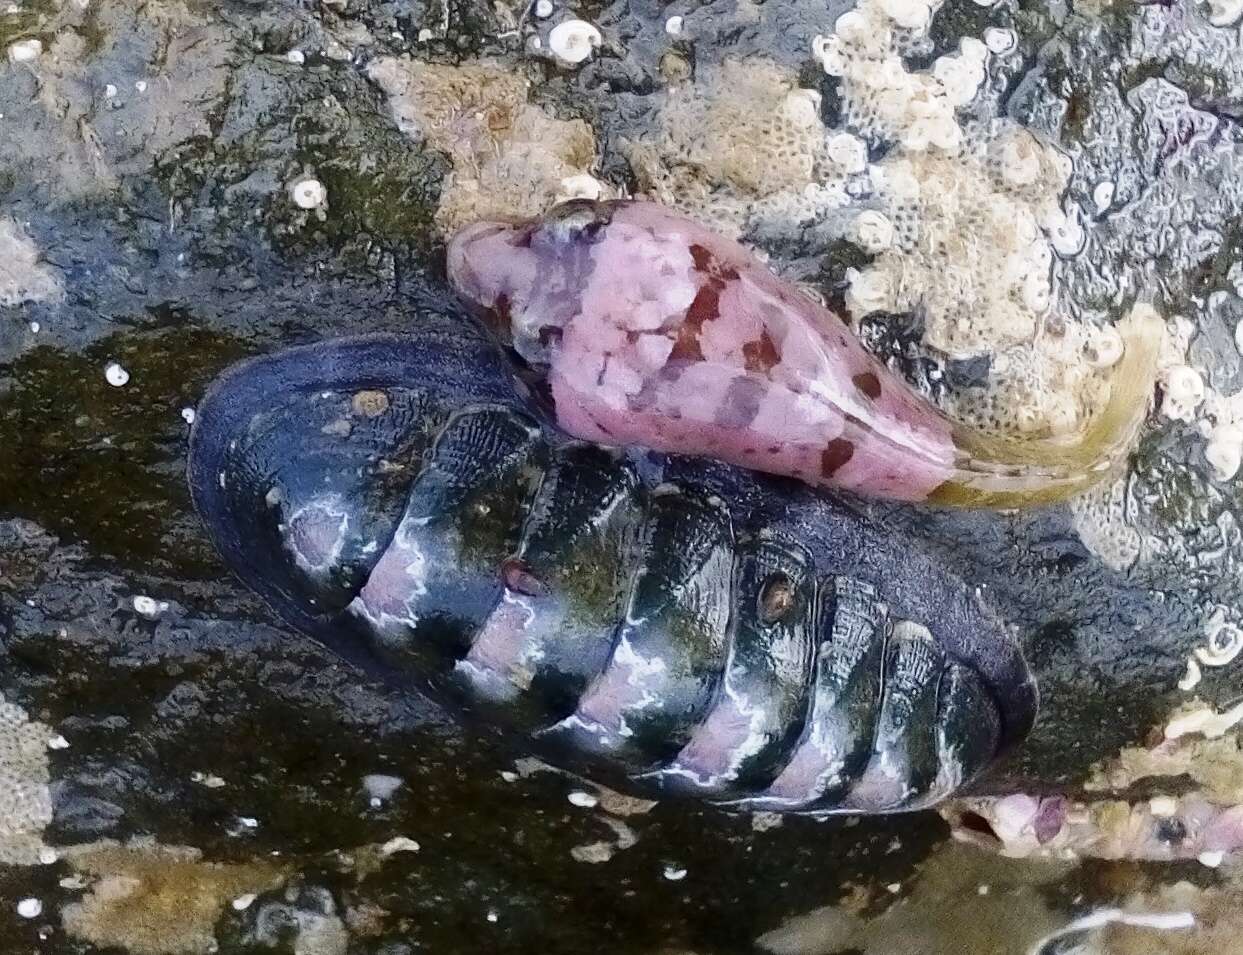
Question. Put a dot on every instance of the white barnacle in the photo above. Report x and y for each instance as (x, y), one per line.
(873, 231)
(1225, 641)
(1223, 13)
(581, 186)
(25, 51)
(910, 14)
(802, 108)
(869, 291)
(1105, 348)
(573, 41)
(1191, 679)
(1103, 194)
(1184, 390)
(1000, 40)
(847, 152)
(1224, 452)
(148, 606)
(307, 192)
(116, 375)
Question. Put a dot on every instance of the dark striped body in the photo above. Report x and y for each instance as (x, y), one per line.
(686, 625)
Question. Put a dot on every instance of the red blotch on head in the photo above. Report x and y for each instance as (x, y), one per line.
(835, 456)
(705, 308)
(761, 354)
(867, 383)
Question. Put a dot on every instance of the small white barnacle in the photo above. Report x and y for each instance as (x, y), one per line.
(148, 606)
(1103, 194)
(25, 51)
(911, 14)
(869, 291)
(802, 108)
(1224, 13)
(116, 375)
(307, 192)
(1184, 390)
(873, 231)
(999, 40)
(1224, 452)
(1105, 348)
(1225, 641)
(847, 152)
(580, 186)
(1191, 678)
(573, 41)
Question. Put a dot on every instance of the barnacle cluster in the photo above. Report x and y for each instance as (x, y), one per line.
(749, 138)
(509, 157)
(963, 217)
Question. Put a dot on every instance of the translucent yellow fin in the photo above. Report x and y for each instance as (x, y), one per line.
(993, 471)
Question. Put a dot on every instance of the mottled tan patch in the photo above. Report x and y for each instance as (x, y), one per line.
(370, 403)
(509, 157)
(151, 899)
(940, 912)
(1215, 765)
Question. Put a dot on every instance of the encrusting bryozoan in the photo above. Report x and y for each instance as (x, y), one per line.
(650, 330)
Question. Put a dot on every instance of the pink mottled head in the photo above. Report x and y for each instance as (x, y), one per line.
(525, 277)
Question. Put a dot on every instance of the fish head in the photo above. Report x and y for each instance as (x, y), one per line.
(525, 278)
